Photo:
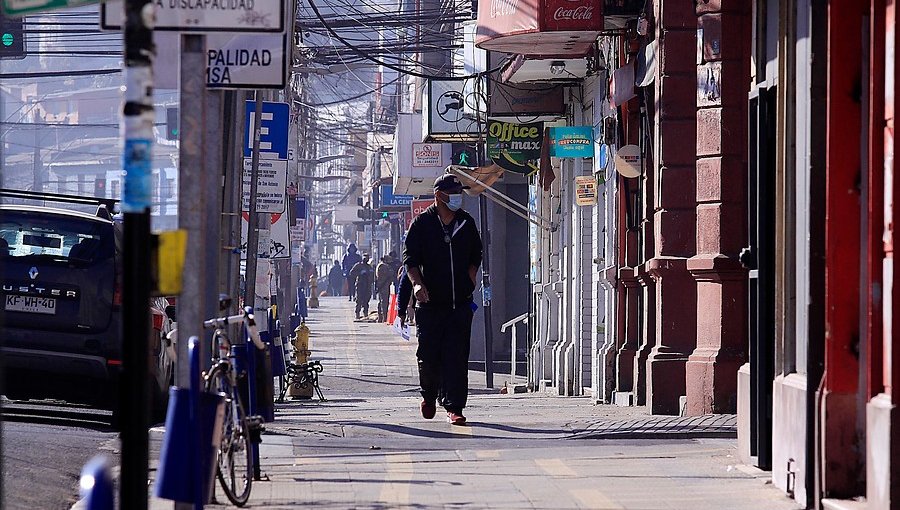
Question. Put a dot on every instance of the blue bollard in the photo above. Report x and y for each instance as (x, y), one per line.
(279, 368)
(96, 485)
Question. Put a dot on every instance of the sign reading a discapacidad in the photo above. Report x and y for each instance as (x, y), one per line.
(585, 190)
(572, 142)
(204, 15)
(515, 147)
(245, 61)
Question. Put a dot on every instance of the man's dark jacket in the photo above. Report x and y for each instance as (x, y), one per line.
(425, 247)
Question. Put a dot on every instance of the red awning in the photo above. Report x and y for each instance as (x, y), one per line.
(539, 27)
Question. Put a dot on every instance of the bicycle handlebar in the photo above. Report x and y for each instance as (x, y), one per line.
(246, 317)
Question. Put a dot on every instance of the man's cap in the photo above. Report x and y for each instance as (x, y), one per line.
(449, 183)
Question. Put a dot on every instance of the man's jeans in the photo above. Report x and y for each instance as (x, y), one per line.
(384, 302)
(443, 354)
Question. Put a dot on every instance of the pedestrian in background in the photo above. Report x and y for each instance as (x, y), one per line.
(335, 279)
(350, 260)
(362, 274)
(442, 254)
(385, 275)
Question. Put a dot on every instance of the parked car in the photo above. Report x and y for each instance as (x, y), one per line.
(61, 320)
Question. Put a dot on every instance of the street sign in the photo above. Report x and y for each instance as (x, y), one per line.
(203, 15)
(389, 199)
(271, 185)
(273, 139)
(279, 239)
(241, 61)
(20, 7)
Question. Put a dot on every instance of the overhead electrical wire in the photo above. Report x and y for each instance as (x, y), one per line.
(362, 54)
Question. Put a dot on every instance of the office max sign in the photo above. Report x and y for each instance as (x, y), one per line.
(572, 142)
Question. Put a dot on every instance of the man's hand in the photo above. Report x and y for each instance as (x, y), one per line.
(421, 293)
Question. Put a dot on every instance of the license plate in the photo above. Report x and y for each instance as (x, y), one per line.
(30, 304)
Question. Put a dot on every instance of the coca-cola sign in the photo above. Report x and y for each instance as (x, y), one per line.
(527, 27)
(580, 12)
(567, 15)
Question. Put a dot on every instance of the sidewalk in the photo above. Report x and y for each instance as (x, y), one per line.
(367, 446)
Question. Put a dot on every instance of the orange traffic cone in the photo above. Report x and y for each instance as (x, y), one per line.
(392, 309)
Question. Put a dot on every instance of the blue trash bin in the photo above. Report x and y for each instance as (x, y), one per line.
(177, 475)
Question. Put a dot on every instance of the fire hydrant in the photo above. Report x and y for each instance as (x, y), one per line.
(301, 353)
(313, 292)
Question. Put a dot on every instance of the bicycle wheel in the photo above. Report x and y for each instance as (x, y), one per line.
(235, 461)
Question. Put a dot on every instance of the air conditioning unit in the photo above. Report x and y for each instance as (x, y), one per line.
(417, 164)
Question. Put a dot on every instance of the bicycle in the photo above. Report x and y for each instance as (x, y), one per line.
(235, 458)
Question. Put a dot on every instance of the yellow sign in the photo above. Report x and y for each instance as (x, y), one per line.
(170, 261)
(585, 190)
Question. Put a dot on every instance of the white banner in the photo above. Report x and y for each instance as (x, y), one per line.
(204, 15)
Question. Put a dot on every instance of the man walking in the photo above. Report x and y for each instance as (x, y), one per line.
(442, 254)
(385, 275)
(335, 279)
(361, 273)
(350, 260)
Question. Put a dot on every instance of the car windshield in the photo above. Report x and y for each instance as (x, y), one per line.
(53, 237)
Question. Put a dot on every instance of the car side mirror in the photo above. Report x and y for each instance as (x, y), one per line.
(170, 313)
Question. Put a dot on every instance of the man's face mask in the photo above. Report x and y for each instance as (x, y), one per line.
(454, 202)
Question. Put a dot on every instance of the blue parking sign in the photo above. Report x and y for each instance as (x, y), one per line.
(273, 138)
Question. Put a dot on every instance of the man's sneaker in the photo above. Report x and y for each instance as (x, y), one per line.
(428, 409)
(455, 419)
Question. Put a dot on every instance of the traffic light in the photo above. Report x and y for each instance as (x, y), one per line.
(12, 38)
(100, 187)
(464, 155)
(172, 123)
(365, 214)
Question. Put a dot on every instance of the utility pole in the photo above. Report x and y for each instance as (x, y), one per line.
(138, 135)
(36, 163)
(486, 281)
(230, 261)
(252, 221)
(193, 193)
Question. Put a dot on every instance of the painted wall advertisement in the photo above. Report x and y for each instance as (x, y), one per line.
(515, 147)
(572, 142)
(585, 190)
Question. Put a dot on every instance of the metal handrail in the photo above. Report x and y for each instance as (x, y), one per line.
(522, 318)
(512, 356)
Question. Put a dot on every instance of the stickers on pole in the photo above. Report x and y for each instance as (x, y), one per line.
(277, 238)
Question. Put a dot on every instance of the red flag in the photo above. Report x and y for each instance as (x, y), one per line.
(546, 175)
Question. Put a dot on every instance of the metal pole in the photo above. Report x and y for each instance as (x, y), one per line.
(138, 135)
(193, 193)
(486, 294)
(252, 222)
(214, 176)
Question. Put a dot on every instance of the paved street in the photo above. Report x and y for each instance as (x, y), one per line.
(42, 462)
(368, 448)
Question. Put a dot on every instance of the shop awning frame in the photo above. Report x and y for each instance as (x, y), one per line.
(505, 201)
